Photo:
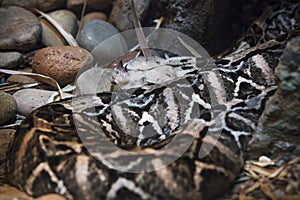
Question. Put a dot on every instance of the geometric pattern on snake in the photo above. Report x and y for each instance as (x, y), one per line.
(48, 155)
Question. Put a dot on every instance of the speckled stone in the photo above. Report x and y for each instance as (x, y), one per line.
(95, 32)
(20, 29)
(60, 62)
(10, 60)
(66, 19)
(43, 5)
(8, 107)
(121, 16)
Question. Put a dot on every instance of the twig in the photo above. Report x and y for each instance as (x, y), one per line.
(81, 17)
(158, 24)
(139, 32)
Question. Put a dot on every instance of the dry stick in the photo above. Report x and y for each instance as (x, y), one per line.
(139, 32)
(81, 17)
(158, 24)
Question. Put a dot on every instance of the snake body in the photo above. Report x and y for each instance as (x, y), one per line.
(185, 137)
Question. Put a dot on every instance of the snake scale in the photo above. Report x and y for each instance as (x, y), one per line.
(159, 129)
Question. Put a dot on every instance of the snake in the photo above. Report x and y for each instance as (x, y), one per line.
(179, 131)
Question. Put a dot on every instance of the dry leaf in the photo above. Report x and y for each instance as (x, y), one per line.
(16, 86)
(265, 187)
(38, 77)
(252, 188)
(260, 171)
(67, 36)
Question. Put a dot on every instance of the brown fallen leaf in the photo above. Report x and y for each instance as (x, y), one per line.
(258, 171)
(38, 77)
(67, 36)
(270, 181)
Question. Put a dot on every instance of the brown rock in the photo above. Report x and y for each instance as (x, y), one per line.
(92, 5)
(8, 107)
(61, 62)
(15, 78)
(121, 16)
(20, 29)
(94, 15)
(43, 5)
(10, 193)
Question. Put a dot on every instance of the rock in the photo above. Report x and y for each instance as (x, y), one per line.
(5, 137)
(10, 60)
(95, 32)
(31, 99)
(8, 107)
(281, 118)
(208, 22)
(67, 20)
(94, 80)
(20, 29)
(94, 15)
(61, 63)
(15, 78)
(121, 17)
(43, 5)
(10, 193)
(282, 113)
(92, 5)
(20, 79)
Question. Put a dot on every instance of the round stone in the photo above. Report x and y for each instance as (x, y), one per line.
(43, 5)
(92, 5)
(20, 29)
(31, 99)
(8, 107)
(94, 15)
(121, 17)
(16, 78)
(66, 19)
(10, 60)
(95, 32)
(94, 80)
(61, 62)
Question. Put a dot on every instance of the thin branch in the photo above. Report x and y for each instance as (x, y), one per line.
(81, 17)
(139, 32)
